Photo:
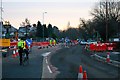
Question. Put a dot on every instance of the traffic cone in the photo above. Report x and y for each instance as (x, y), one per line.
(17, 52)
(108, 57)
(84, 75)
(80, 74)
(14, 54)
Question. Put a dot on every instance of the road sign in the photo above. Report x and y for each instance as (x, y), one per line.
(4, 42)
(28, 42)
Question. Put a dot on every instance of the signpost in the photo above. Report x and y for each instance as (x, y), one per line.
(28, 42)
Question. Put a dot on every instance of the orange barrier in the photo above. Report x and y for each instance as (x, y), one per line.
(40, 43)
(98, 47)
(102, 46)
(13, 43)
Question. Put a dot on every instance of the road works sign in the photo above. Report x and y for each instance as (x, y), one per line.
(29, 42)
(4, 42)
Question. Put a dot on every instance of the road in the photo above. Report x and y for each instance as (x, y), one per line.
(68, 61)
(35, 70)
(57, 62)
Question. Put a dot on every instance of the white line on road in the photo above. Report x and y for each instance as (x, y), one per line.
(46, 54)
(46, 61)
(115, 52)
(49, 69)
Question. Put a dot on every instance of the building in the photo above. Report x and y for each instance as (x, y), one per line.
(11, 31)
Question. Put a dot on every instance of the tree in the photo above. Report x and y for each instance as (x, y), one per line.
(45, 31)
(106, 15)
(50, 30)
(39, 32)
(56, 31)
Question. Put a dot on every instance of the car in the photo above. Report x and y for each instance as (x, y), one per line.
(82, 42)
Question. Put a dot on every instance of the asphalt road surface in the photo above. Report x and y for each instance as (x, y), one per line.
(35, 70)
(57, 62)
(68, 60)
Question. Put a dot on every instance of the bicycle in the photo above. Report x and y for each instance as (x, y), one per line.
(25, 59)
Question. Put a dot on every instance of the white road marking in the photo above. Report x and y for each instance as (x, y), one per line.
(46, 54)
(115, 52)
(49, 69)
(46, 61)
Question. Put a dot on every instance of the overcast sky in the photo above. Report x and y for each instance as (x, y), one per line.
(59, 12)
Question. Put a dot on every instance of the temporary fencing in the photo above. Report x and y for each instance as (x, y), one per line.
(102, 46)
(98, 47)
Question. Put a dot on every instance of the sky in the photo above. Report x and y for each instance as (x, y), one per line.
(59, 12)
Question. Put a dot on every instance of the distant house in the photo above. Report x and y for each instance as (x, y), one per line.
(22, 31)
(11, 31)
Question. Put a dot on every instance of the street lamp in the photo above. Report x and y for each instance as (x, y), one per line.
(1, 10)
(7, 25)
(106, 20)
(43, 24)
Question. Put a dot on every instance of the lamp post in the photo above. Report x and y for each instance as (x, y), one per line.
(7, 25)
(43, 24)
(106, 21)
(1, 24)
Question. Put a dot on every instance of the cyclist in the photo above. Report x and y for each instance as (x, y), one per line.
(20, 49)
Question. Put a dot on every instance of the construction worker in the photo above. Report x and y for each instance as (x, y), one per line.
(20, 49)
(54, 41)
(50, 42)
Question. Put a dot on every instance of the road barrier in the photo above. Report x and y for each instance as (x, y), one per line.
(102, 46)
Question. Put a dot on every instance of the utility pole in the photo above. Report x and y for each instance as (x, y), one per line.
(1, 23)
(106, 20)
(43, 24)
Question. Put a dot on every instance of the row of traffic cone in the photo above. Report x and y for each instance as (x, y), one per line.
(82, 75)
(15, 53)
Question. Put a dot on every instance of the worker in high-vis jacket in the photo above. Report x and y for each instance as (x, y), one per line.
(21, 45)
(54, 41)
(50, 42)
(22, 48)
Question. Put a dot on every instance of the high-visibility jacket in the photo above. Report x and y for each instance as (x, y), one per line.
(24, 47)
(54, 41)
(50, 42)
(21, 44)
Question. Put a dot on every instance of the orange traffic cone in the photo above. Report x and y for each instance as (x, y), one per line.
(14, 54)
(80, 74)
(108, 57)
(17, 52)
(84, 75)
